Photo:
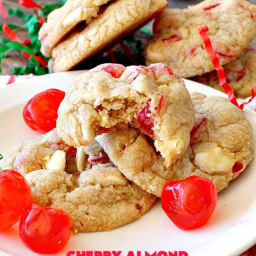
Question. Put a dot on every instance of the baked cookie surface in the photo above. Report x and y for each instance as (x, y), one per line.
(151, 99)
(241, 74)
(61, 21)
(82, 182)
(115, 20)
(220, 148)
(177, 43)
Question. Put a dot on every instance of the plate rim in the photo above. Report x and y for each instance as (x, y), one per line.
(29, 82)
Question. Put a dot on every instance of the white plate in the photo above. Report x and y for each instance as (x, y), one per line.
(231, 230)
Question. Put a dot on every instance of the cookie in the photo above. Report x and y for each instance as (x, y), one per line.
(82, 182)
(241, 74)
(111, 97)
(176, 41)
(116, 19)
(61, 21)
(220, 148)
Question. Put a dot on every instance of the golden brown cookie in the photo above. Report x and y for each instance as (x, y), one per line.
(177, 43)
(62, 21)
(83, 183)
(102, 27)
(151, 99)
(220, 148)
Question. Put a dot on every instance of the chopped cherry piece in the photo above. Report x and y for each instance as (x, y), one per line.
(189, 203)
(15, 197)
(195, 130)
(224, 55)
(172, 38)
(191, 51)
(40, 113)
(145, 121)
(44, 230)
(105, 130)
(99, 160)
(158, 67)
(115, 70)
(133, 75)
(238, 166)
(160, 105)
(235, 75)
(240, 74)
(239, 4)
(207, 8)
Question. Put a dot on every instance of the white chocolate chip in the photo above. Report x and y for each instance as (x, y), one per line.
(80, 159)
(73, 18)
(104, 176)
(57, 161)
(212, 159)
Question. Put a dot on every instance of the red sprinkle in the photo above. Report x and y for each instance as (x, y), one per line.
(207, 8)
(238, 166)
(172, 38)
(145, 121)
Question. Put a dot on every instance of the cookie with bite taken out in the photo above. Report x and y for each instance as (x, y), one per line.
(220, 148)
(111, 97)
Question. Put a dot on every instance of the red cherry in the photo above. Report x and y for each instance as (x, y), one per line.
(115, 70)
(44, 230)
(40, 113)
(145, 121)
(15, 197)
(189, 203)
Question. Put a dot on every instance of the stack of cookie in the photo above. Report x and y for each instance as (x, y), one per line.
(232, 27)
(82, 28)
(122, 133)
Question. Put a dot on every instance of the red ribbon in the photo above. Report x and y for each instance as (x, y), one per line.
(9, 32)
(220, 70)
(14, 37)
(30, 4)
